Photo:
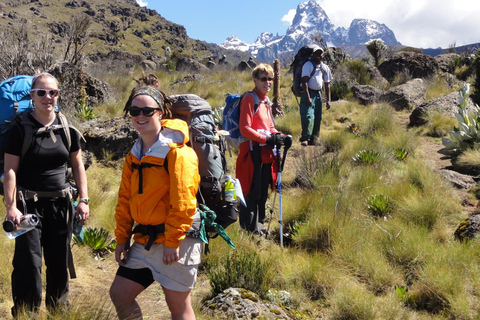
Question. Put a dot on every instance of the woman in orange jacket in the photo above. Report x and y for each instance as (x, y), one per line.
(157, 195)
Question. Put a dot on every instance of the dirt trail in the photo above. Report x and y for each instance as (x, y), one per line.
(430, 151)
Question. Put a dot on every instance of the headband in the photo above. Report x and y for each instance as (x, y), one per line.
(40, 75)
(152, 92)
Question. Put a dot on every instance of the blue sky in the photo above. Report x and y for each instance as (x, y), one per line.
(419, 23)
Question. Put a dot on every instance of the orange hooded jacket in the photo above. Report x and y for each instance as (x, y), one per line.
(156, 196)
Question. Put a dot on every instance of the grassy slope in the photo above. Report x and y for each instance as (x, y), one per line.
(344, 263)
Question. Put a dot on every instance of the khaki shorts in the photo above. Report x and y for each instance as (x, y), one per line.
(179, 276)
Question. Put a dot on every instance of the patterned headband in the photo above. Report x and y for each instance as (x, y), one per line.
(152, 92)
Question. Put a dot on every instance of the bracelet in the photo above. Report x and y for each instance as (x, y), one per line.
(84, 200)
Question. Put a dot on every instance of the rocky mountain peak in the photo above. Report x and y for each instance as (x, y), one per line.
(311, 21)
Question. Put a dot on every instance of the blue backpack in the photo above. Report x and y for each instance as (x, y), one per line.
(14, 97)
(231, 117)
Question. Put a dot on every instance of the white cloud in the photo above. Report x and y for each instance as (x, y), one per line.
(288, 18)
(419, 23)
(142, 3)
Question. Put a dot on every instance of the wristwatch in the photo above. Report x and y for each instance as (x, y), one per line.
(84, 200)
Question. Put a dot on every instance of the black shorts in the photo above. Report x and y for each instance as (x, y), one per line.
(141, 276)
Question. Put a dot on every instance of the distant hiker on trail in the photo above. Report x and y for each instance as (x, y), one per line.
(315, 74)
(37, 183)
(163, 205)
(256, 167)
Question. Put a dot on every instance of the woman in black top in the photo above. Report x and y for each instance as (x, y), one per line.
(40, 176)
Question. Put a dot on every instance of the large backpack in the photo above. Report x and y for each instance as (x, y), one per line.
(210, 150)
(231, 117)
(303, 55)
(15, 104)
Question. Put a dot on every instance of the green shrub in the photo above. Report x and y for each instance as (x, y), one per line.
(99, 240)
(379, 205)
(366, 157)
(241, 268)
(359, 71)
(339, 89)
(467, 135)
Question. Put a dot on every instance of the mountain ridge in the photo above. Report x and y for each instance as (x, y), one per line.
(309, 24)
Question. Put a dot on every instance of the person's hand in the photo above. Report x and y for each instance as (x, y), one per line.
(119, 252)
(327, 105)
(170, 255)
(275, 139)
(309, 102)
(14, 215)
(83, 209)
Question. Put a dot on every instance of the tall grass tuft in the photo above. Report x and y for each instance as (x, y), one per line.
(241, 268)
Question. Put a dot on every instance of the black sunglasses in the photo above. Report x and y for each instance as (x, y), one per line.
(147, 112)
(42, 92)
(265, 79)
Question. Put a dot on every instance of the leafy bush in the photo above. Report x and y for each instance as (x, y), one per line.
(379, 205)
(366, 157)
(359, 71)
(99, 240)
(467, 135)
(401, 154)
(339, 90)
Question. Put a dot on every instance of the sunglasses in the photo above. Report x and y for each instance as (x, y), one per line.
(265, 79)
(42, 92)
(147, 112)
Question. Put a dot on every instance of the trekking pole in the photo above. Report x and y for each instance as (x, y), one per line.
(287, 145)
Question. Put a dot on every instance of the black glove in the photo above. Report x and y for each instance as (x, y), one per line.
(287, 141)
(275, 140)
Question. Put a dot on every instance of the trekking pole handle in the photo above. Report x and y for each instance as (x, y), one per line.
(287, 143)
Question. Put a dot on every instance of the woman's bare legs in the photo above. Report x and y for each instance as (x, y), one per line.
(123, 293)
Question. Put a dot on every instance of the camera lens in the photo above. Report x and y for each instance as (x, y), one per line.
(8, 226)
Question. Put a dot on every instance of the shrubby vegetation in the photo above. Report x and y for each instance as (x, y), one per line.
(369, 225)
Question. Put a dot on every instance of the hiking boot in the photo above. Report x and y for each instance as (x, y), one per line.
(312, 141)
(304, 143)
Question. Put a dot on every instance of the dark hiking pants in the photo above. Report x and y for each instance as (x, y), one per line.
(53, 235)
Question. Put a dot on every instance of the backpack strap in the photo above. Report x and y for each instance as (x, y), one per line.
(140, 168)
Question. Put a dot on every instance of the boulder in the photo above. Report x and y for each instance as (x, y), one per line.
(366, 95)
(468, 229)
(72, 79)
(243, 66)
(445, 60)
(406, 96)
(412, 64)
(458, 180)
(234, 303)
(190, 65)
(447, 104)
(114, 137)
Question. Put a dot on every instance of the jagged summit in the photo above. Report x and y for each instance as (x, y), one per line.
(312, 21)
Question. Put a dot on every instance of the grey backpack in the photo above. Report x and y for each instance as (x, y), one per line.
(210, 149)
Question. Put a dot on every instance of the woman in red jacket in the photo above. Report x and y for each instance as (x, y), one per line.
(256, 166)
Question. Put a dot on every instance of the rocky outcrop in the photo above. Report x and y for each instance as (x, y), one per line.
(72, 79)
(468, 229)
(412, 64)
(190, 65)
(366, 95)
(445, 60)
(114, 137)
(447, 105)
(458, 180)
(234, 303)
(406, 96)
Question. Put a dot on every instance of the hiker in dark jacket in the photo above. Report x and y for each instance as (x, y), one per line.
(311, 100)
(41, 178)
